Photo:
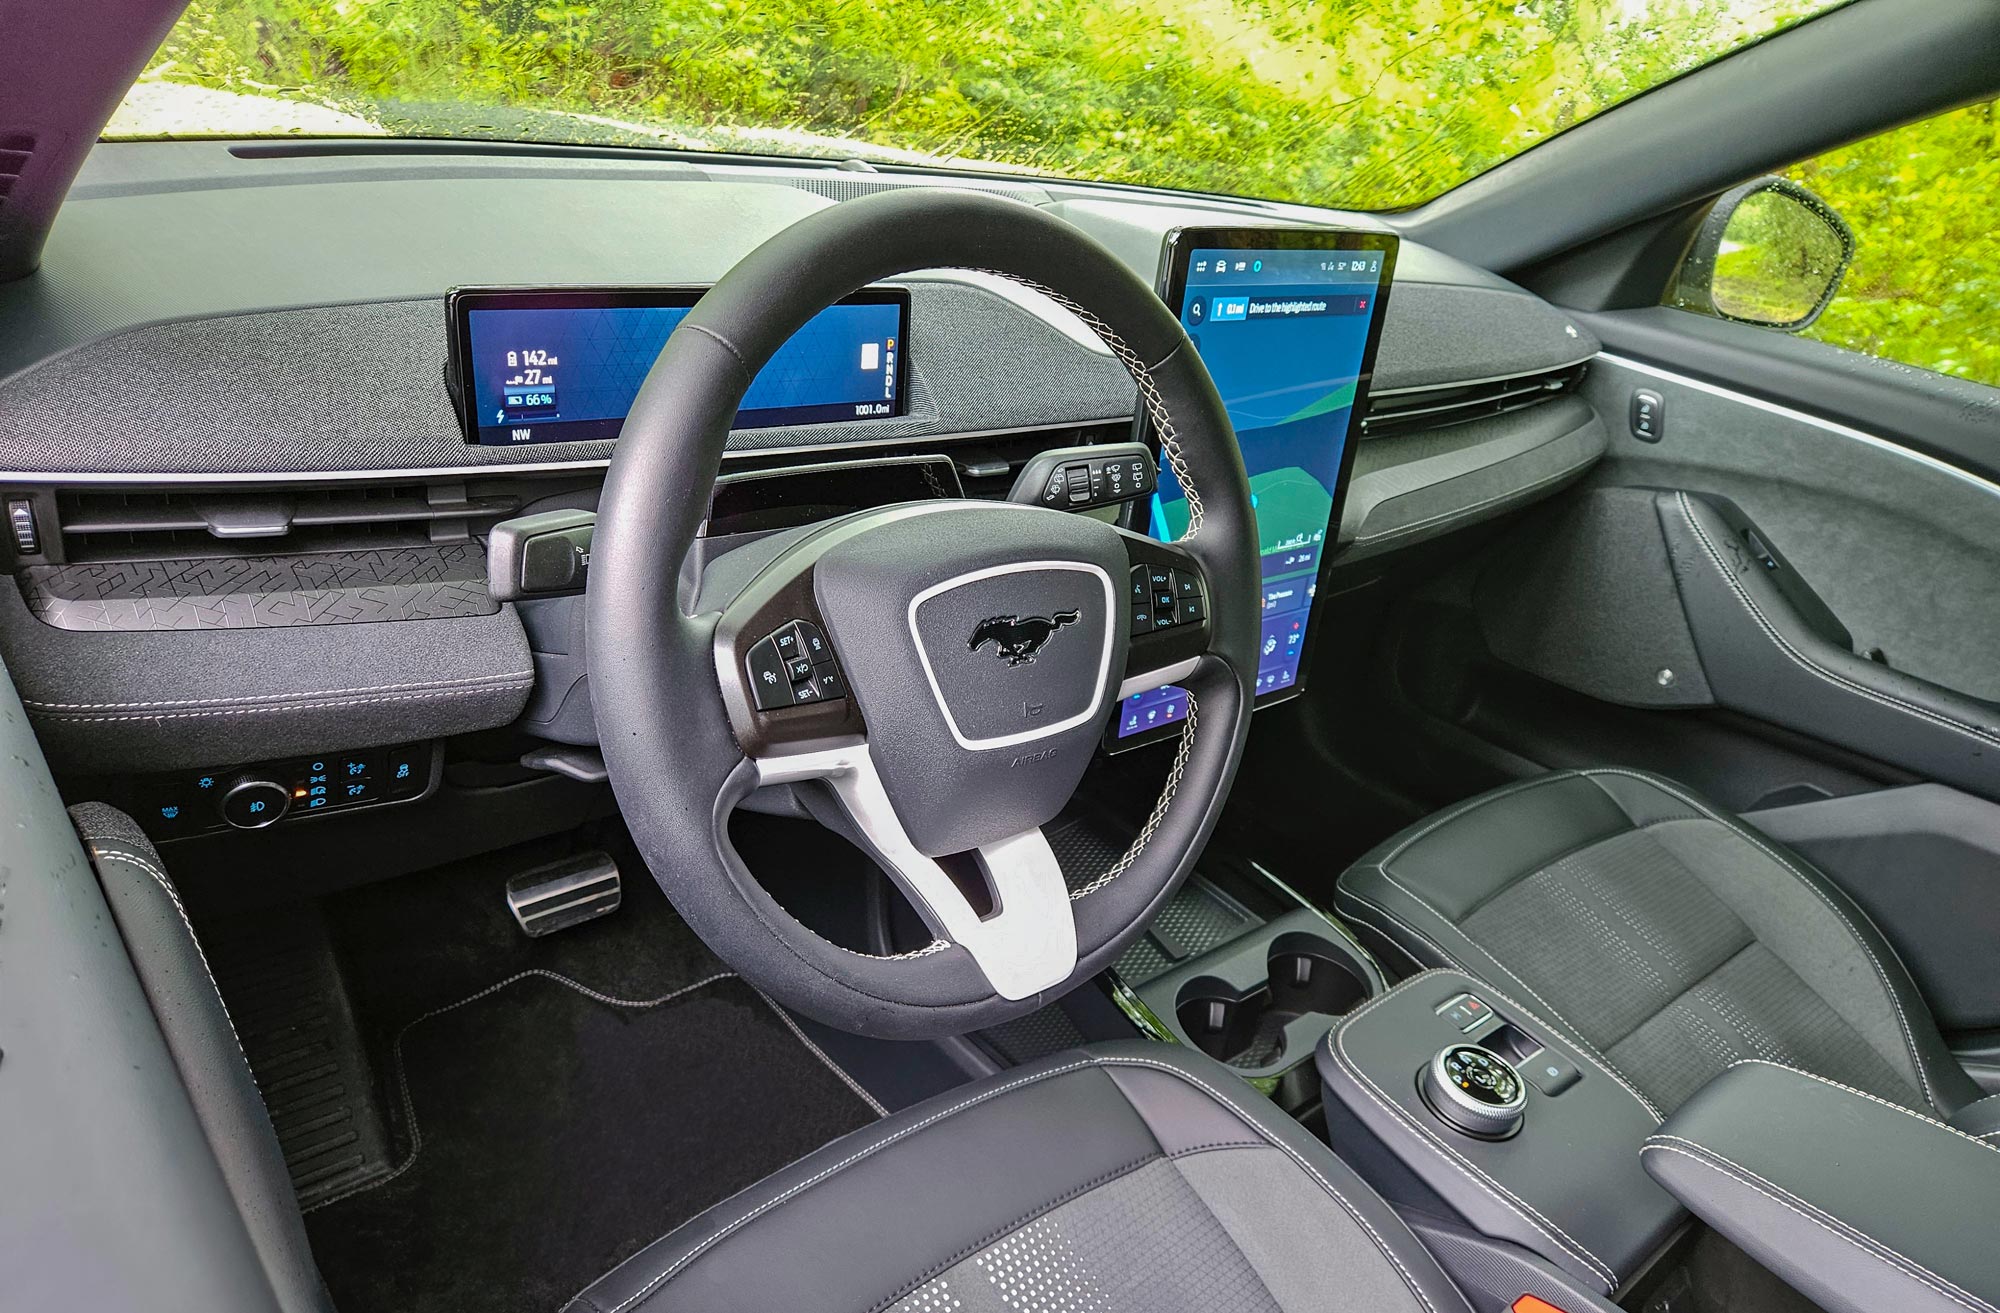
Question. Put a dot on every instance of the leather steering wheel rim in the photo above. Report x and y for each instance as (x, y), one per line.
(677, 760)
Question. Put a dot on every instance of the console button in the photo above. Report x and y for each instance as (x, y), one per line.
(813, 644)
(1550, 1072)
(770, 686)
(172, 811)
(252, 802)
(406, 772)
(1465, 1012)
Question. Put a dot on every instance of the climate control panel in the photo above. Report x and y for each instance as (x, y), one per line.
(259, 794)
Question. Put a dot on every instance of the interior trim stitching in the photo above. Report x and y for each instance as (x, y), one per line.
(1864, 1094)
(173, 896)
(1566, 1030)
(1001, 1232)
(730, 1228)
(799, 1034)
(1513, 1202)
(1746, 834)
(1832, 1226)
(270, 697)
(403, 1074)
(71, 718)
(1158, 815)
(1806, 663)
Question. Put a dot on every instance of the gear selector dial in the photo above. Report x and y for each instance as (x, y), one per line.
(1476, 1091)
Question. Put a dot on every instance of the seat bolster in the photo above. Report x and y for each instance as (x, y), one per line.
(170, 965)
(1945, 1085)
(1980, 1119)
(876, 1214)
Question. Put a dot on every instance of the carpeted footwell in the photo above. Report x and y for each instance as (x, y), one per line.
(554, 1130)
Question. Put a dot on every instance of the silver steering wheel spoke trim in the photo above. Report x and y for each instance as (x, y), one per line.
(1025, 946)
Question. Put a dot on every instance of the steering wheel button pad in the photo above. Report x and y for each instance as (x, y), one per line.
(791, 666)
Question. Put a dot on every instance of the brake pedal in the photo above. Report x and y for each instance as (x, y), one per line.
(565, 893)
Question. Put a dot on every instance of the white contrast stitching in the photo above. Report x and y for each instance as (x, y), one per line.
(70, 718)
(403, 1075)
(1864, 1094)
(268, 697)
(725, 1231)
(1806, 663)
(1159, 812)
(1574, 1035)
(799, 1034)
(1833, 1226)
(1514, 1203)
(173, 896)
(1881, 974)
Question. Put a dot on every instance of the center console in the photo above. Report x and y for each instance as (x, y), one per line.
(1482, 1109)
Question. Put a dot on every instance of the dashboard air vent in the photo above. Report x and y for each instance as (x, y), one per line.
(128, 524)
(1415, 410)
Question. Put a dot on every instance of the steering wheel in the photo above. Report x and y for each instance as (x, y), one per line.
(946, 667)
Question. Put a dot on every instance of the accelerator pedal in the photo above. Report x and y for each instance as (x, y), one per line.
(565, 893)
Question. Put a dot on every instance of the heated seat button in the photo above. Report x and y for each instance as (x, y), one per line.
(770, 685)
(1550, 1072)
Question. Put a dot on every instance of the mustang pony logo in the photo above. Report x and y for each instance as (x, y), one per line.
(1016, 638)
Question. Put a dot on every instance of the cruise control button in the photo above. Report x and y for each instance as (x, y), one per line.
(812, 643)
(770, 686)
(786, 641)
(798, 668)
(831, 687)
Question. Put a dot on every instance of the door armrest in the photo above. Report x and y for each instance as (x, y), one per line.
(1858, 1203)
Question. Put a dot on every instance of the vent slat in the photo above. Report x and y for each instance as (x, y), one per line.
(136, 525)
(1417, 410)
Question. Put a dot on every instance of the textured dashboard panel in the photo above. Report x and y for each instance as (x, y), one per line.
(361, 387)
(263, 592)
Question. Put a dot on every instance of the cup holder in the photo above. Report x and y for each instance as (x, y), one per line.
(1306, 975)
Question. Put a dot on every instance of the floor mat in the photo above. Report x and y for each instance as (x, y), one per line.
(554, 1130)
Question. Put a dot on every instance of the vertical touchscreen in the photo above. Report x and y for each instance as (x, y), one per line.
(1285, 335)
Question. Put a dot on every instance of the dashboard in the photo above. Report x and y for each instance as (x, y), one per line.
(248, 470)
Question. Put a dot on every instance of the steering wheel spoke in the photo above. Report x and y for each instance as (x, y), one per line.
(1170, 629)
(1024, 945)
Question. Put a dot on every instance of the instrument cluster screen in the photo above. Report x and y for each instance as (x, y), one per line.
(536, 365)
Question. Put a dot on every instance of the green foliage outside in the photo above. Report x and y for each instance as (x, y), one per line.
(1367, 104)
(1925, 284)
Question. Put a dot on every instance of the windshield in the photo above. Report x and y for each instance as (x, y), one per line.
(1364, 104)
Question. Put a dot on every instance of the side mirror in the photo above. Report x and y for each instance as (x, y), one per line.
(1770, 252)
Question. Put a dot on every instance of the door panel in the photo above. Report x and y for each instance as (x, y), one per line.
(1903, 548)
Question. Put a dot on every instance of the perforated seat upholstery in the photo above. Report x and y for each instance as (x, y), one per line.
(1127, 1176)
(1669, 937)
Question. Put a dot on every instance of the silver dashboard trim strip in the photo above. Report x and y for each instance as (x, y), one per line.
(1799, 416)
(53, 478)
